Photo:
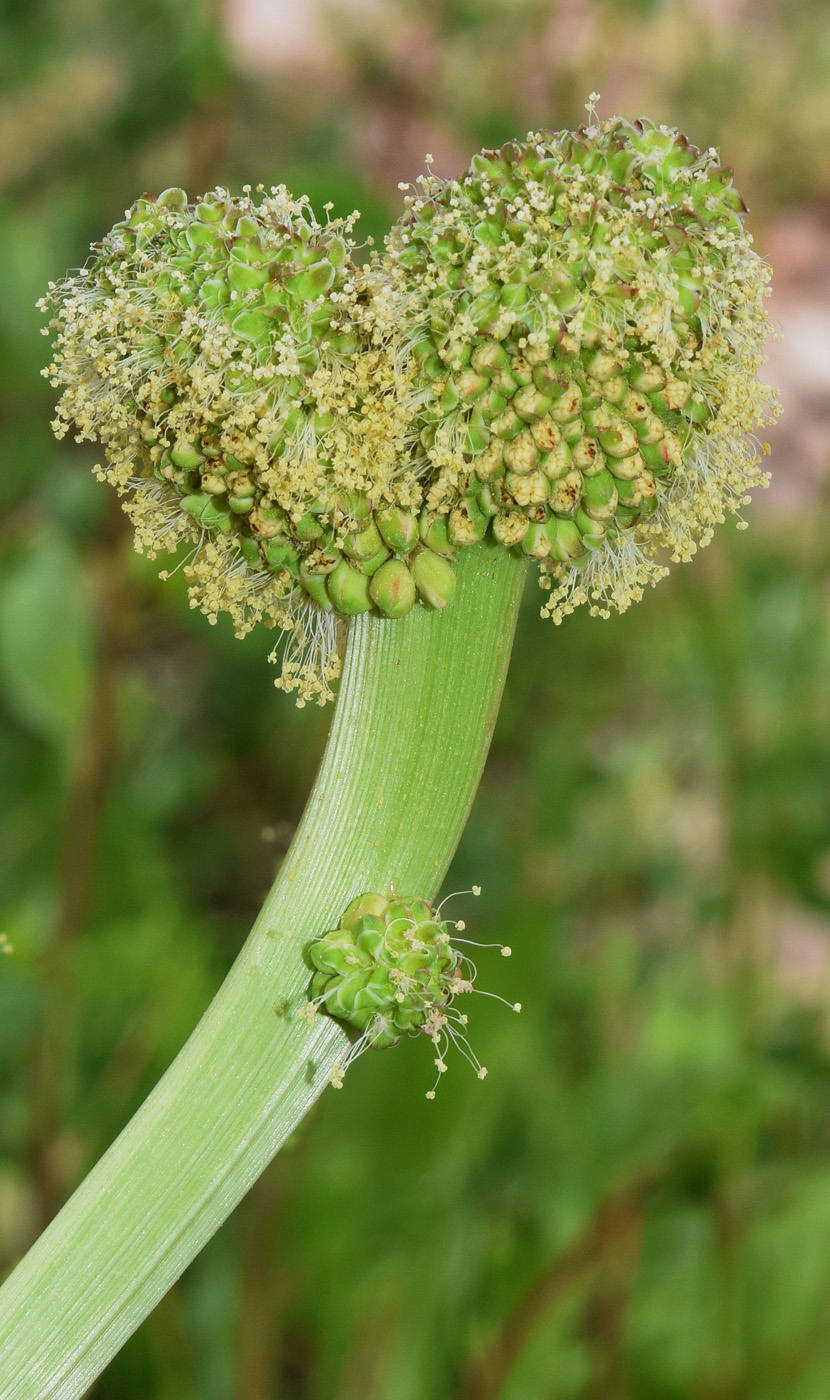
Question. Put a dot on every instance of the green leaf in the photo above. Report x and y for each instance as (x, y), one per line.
(46, 637)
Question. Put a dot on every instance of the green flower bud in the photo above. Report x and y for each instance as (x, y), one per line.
(392, 589)
(492, 497)
(599, 495)
(352, 505)
(173, 198)
(348, 589)
(309, 527)
(365, 904)
(435, 533)
(369, 567)
(187, 458)
(593, 530)
(315, 586)
(207, 513)
(435, 578)
(567, 545)
(363, 544)
(279, 555)
(314, 282)
(250, 553)
(398, 528)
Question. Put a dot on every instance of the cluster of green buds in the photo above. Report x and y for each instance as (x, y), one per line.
(239, 372)
(587, 322)
(390, 969)
(558, 351)
(382, 559)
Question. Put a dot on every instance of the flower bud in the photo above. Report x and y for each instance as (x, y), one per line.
(435, 578)
(348, 589)
(281, 555)
(398, 529)
(392, 589)
(434, 531)
(599, 495)
(566, 543)
(315, 586)
(204, 510)
(369, 567)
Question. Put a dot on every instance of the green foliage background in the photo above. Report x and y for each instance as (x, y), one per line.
(637, 1200)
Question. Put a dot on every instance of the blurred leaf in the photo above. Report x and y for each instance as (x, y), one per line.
(46, 637)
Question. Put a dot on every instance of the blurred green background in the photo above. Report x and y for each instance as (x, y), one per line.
(636, 1203)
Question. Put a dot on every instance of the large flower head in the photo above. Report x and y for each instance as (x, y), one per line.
(237, 370)
(587, 321)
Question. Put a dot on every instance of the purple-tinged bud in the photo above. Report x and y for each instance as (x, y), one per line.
(398, 528)
(392, 589)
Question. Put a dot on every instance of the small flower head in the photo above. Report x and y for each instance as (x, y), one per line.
(390, 969)
(586, 321)
(237, 370)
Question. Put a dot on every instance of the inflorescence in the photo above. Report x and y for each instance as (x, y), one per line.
(587, 319)
(558, 351)
(390, 969)
(241, 375)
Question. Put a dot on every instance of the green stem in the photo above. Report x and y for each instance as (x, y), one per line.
(411, 731)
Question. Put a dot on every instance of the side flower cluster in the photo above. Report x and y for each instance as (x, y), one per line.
(390, 969)
(558, 351)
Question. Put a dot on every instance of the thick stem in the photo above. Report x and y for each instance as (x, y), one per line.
(410, 735)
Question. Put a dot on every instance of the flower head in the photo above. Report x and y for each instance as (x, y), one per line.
(586, 321)
(560, 350)
(237, 370)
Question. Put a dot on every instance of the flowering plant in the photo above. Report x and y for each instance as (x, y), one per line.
(555, 360)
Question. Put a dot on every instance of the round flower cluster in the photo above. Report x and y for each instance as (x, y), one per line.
(241, 376)
(587, 319)
(388, 970)
(559, 351)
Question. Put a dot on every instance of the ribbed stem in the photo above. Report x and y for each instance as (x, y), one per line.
(411, 731)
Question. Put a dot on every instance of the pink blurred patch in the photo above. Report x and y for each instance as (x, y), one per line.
(797, 246)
